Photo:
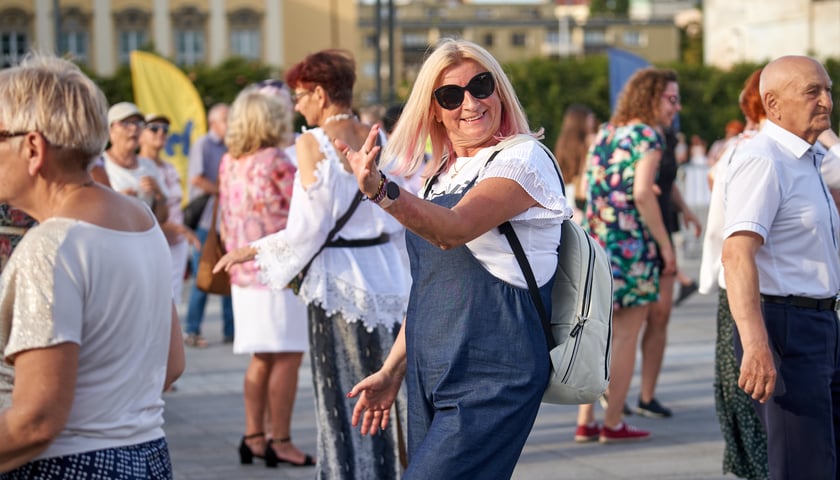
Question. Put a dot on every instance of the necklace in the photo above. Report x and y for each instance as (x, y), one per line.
(457, 169)
(337, 117)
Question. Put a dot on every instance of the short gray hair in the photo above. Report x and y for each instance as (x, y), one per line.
(52, 96)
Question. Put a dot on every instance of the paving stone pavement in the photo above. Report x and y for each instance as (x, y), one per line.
(204, 417)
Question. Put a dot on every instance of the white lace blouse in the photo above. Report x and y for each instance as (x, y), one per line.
(368, 284)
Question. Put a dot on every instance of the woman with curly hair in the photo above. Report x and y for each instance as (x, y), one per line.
(576, 135)
(624, 216)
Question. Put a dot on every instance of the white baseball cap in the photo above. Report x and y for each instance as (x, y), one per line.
(121, 111)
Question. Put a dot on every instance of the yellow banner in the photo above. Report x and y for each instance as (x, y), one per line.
(161, 87)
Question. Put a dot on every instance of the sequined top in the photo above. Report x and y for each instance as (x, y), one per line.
(109, 292)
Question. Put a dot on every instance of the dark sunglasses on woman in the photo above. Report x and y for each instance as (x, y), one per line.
(480, 86)
(156, 128)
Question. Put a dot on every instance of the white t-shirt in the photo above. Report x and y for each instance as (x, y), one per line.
(109, 292)
(122, 178)
(538, 228)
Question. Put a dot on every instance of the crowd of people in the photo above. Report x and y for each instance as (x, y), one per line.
(351, 241)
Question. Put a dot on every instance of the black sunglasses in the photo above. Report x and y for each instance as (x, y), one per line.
(480, 86)
(156, 128)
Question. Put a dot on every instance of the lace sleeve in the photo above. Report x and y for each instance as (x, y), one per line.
(282, 255)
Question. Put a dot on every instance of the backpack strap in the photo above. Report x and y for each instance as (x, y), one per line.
(507, 230)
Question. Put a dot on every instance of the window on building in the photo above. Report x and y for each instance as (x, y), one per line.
(73, 37)
(594, 37)
(132, 26)
(371, 41)
(488, 40)
(634, 39)
(14, 41)
(189, 25)
(245, 34)
(414, 40)
(518, 39)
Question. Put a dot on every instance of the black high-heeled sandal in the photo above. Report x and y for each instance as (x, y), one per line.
(271, 458)
(246, 455)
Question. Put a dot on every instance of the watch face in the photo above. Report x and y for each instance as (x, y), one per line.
(393, 190)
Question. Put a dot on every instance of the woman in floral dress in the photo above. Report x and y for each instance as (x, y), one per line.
(13, 224)
(623, 214)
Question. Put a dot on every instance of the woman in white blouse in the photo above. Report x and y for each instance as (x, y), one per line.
(356, 289)
(86, 313)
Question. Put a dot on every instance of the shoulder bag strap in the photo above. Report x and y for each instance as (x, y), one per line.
(339, 224)
(357, 199)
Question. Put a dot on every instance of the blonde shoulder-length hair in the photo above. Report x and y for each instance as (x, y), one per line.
(406, 147)
(258, 120)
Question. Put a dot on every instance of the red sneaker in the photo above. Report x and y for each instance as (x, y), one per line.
(624, 433)
(587, 433)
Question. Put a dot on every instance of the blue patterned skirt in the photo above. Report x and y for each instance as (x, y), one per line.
(149, 460)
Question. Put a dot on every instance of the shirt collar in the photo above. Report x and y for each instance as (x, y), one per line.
(212, 136)
(790, 142)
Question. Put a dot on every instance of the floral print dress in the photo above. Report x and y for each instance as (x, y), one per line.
(611, 214)
(11, 217)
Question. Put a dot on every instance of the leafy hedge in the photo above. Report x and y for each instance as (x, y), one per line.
(709, 95)
(545, 88)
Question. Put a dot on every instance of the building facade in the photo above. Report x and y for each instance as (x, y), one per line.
(758, 31)
(102, 33)
(510, 31)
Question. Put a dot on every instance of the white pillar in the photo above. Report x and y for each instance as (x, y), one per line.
(104, 41)
(272, 30)
(162, 27)
(217, 35)
(45, 34)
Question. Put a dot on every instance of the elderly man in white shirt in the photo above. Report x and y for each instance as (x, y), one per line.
(782, 270)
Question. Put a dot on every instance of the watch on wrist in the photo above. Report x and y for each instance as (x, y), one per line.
(392, 191)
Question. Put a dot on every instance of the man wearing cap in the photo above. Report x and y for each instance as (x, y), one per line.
(129, 173)
(781, 262)
(205, 157)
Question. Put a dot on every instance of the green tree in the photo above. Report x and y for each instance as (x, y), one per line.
(618, 8)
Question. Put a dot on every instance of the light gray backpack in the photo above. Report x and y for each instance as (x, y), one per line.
(579, 332)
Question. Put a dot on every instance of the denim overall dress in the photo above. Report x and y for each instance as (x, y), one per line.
(477, 364)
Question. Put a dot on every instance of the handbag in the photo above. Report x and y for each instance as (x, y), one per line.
(194, 209)
(211, 252)
(297, 280)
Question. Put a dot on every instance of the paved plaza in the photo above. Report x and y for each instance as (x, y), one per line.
(204, 417)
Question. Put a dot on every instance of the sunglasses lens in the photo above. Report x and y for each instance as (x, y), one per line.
(158, 128)
(482, 85)
(450, 97)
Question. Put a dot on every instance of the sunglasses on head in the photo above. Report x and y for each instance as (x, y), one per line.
(158, 128)
(480, 86)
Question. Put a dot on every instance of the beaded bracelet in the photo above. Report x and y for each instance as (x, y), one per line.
(382, 190)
